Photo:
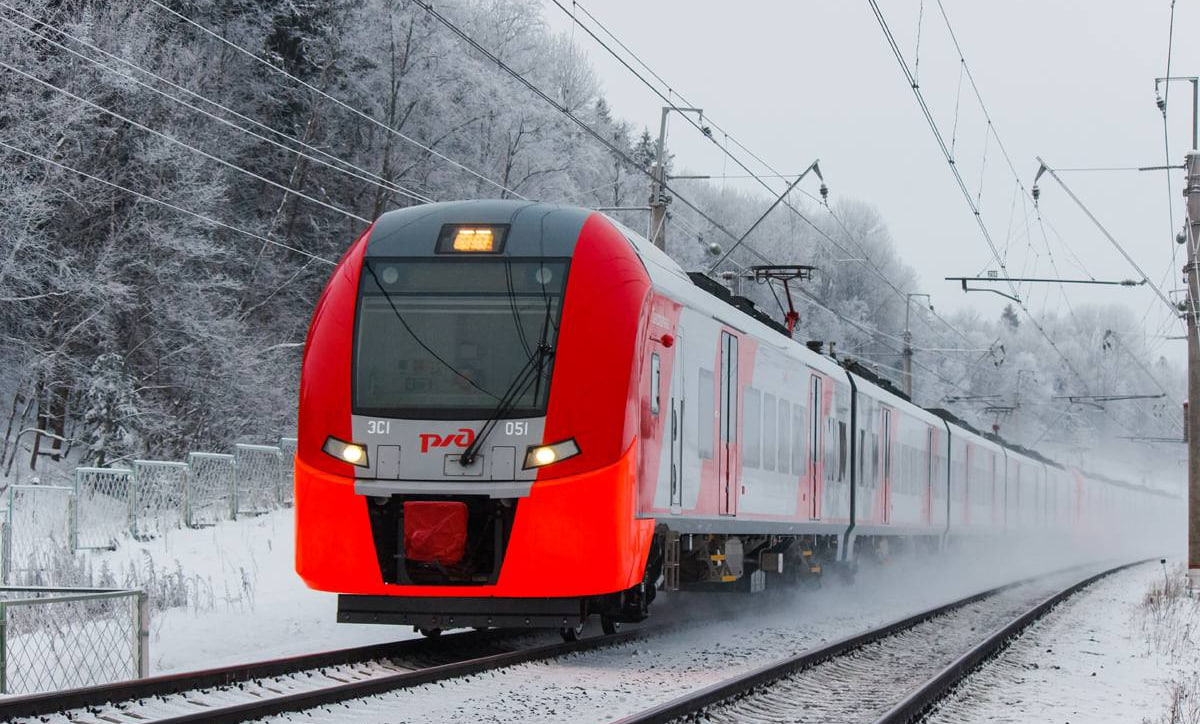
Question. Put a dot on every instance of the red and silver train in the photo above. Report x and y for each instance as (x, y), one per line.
(522, 414)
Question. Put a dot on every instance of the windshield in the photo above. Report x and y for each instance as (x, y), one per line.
(444, 339)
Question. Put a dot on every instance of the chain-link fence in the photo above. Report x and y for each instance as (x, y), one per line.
(210, 484)
(158, 497)
(259, 479)
(63, 638)
(102, 506)
(41, 526)
(38, 534)
(287, 448)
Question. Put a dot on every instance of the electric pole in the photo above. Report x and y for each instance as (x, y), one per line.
(907, 355)
(1191, 192)
(658, 180)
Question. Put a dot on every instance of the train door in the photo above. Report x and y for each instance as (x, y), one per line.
(887, 466)
(678, 385)
(930, 474)
(728, 463)
(815, 449)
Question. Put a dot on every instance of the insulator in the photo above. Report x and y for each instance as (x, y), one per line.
(1160, 102)
(1037, 193)
(824, 192)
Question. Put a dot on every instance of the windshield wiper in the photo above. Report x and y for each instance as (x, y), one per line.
(516, 390)
(529, 373)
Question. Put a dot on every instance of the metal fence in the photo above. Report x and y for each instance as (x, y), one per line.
(103, 511)
(38, 533)
(210, 489)
(259, 476)
(287, 447)
(42, 525)
(158, 497)
(63, 638)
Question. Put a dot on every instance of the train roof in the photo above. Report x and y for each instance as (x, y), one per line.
(536, 229)
(666, 271)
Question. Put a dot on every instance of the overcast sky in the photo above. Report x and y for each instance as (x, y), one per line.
(1069, 80)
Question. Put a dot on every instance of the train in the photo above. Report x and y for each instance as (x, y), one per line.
(520, 414)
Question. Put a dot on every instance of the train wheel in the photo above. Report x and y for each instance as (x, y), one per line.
(571, 633)
(609, 625)
(430, 633)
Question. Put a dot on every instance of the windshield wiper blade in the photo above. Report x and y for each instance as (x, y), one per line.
(516, 390)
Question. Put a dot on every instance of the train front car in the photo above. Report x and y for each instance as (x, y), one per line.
(468, 417)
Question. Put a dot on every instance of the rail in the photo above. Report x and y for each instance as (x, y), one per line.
(924, 697)
(914, 706)
(125, 694)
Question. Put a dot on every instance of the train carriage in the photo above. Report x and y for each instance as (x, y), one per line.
(521, 414)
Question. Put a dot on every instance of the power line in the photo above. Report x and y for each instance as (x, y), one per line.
(1107, 235)
(166, 204)
(948, 155)
(362, 176)
(620, 154)
(172, 139)
(1167, 136)
(867, 261)
(365, 116)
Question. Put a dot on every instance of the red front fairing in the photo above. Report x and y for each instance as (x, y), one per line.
(576, 533)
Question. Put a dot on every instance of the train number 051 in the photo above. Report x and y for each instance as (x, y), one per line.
(516, 428)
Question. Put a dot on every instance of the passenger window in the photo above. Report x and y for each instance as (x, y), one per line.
(654, 383)
(706, 411)
(785, 434)
(769, 440)
(842, 456)
(752, 432)
(798, 417)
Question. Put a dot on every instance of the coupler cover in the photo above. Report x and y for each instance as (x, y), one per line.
(435, 532)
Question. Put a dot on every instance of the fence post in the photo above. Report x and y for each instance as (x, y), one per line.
(143, 634)
(233, 489)
(279, 483)
(3, 648)
(6, 541)
(187, 495)
(73, 518)
(133, 501)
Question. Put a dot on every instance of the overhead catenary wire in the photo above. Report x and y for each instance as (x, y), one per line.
(1050, 170)
(950, 161)
(1167, 136)
(165, 204)
(866, 261)
(618, 152)
(337, 101)
(315, 154)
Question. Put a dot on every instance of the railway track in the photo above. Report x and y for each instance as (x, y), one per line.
(262, 689)
(893, 674)
(251, 691)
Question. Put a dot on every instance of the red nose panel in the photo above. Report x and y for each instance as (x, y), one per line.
(435, 532)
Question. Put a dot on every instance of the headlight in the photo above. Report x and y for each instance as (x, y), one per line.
(347, 452)
(540, 455)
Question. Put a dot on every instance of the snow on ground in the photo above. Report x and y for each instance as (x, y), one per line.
(747, 631)
(244, 601)
(1092, 660)
(237, 598)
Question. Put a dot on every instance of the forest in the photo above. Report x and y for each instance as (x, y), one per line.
(172, 202)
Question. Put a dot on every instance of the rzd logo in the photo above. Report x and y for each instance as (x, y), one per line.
(464, 437)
